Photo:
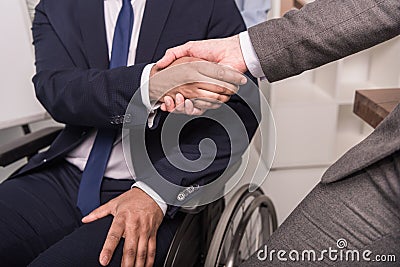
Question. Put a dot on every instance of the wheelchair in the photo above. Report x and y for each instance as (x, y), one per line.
(222, 233)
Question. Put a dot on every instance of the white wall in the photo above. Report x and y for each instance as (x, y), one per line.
(18, 102)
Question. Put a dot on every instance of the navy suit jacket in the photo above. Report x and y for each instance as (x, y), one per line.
(76, 87)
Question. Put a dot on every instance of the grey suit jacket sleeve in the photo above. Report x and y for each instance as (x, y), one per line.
(321, 32)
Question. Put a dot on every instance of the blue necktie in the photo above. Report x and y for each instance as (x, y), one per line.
(92, 176)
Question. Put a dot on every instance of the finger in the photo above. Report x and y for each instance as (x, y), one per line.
(205, 91)
(208, 83)
(189, 108)
(163, 107)
(112, 240)
(221, 73)
(219, 87)
(130, 249)
(179, 100)
(151, 251)
(170, 103)
(98, 213)
(173, 54)
(141, 255)
(198, 112)
(204, 104)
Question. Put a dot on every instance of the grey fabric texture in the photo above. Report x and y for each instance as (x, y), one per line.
(363, 209)
(358, 198)
(321, 32)
(384, 141)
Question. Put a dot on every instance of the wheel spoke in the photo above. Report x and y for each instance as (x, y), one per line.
(251, 216)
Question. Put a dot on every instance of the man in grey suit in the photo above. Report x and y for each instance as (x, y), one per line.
(356, 206)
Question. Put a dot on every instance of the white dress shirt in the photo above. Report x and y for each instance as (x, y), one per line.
(116, 166)
(250, 56)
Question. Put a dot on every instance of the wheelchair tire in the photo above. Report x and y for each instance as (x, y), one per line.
(226, 248)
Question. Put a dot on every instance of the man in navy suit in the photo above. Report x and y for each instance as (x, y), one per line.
(79, 83)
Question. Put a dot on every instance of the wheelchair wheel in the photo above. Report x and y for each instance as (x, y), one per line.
(245, 225)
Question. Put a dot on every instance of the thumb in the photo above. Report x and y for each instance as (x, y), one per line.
(173, 54)
(98, 213)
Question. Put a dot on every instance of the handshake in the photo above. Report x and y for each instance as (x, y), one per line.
(192, 86)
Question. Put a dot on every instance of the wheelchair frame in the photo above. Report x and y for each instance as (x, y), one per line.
(206, 224)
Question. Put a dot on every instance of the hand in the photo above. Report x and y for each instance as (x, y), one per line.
(187, 106)
(194, 79)
(136, 218)
(224, 51)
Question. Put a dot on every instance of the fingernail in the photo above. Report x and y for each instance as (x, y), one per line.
(104, 260)
(167, 102)
(243, 80)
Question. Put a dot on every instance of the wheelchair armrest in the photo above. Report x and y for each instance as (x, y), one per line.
(27, 145)
(196, 207)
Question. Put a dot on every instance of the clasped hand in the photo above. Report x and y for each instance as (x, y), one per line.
(192, 86)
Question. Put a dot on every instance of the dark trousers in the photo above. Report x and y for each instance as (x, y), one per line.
(40, 224)
(363, 210)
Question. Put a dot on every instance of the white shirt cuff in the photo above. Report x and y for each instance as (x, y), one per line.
(156, 197)
(144, 91)
(250, 56)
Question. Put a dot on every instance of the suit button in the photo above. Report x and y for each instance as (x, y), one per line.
(181, 197)
(45, 160)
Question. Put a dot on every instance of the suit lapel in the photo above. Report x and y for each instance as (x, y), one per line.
(91, 17)
(155, 15)
(384, 141)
